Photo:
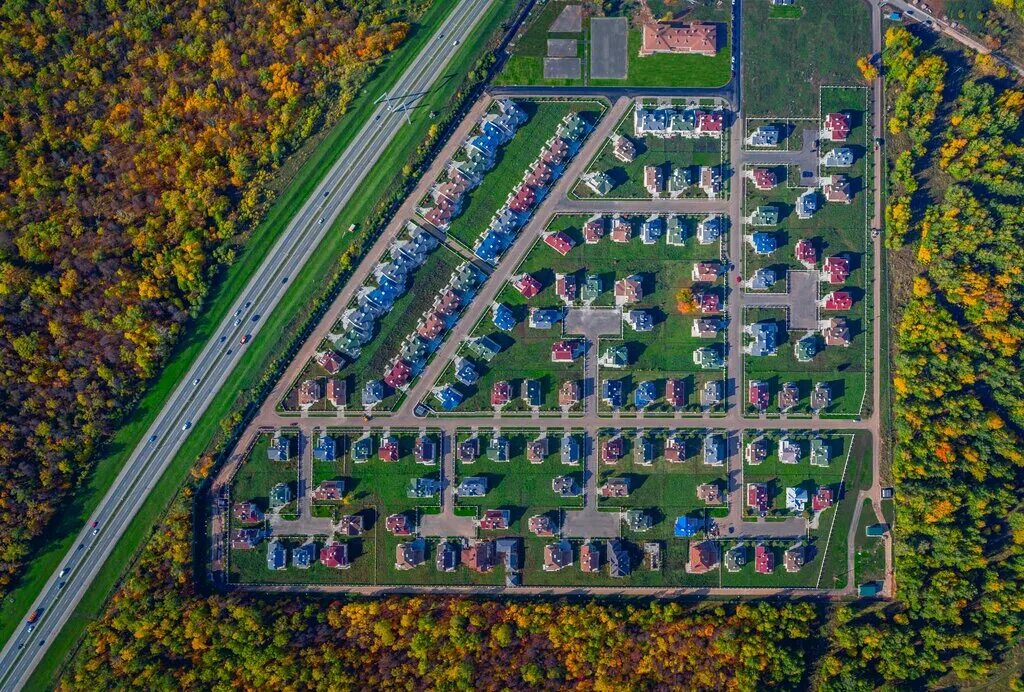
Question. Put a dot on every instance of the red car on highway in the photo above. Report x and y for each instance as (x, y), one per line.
(245, 339)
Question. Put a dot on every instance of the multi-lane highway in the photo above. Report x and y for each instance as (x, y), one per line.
(194, 393)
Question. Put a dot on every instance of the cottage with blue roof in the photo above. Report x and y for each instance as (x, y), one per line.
(651, 230)
(612, 393)
(279, 448)
(362, 449)
(687, 527)
(448, 397)
(277, 555)
(373, 393)
(764, 335)
(807, 204)
(544, 318)
(305, 555)
(504, 319)
(645, 394)
(465, 371)
(762, 279)
(325, 449)
(763, 243)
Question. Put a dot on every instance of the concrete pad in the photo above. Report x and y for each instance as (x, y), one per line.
(570, 21)
(447, 526)
(590, 523)
(609, 47)
(562, 47)
(593, 322)
(803, 296)
(562, 68)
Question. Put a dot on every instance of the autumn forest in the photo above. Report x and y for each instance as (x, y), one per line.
(136, 141)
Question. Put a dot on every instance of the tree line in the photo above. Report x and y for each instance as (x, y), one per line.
(959, 410)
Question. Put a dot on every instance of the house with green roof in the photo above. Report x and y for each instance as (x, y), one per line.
(765, 215)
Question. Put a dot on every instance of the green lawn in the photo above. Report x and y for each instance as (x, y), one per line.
(668, 153)
(512, 161)
(780, 476)
(786, 60)
(869, 560)
(257, 475)
(664, 489)
(522, 487)
(393, 328)
(266, 347)
(834, 229)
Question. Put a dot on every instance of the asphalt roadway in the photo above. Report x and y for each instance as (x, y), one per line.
(214, 365)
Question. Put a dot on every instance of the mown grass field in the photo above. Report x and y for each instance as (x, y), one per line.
(786, 60)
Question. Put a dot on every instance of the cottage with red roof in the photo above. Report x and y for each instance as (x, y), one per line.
(590, 558)
(335, 556)
(522, 200)
(247, 513)
(479, 556)
(501, 393)
(836, 332)
(838, 189)
(622, 231)
(612, 450)
(705, 271)
(703, 557)
(565, 287)
(527, 286)
(709, 302)
(758, 394)
(757, 497)
(838, 300)
(388, 449)
(623, 148)
(836, 269)
(566, 351)
(836, 127)
(431, 327)
(447, 303)
(806, 253)
(399, 374)
(711, 122)
(764, 178)
(764, 559)
(822, 499)
(559, 242)
(675, 392)
(629, 290)
(398, 525)
(593, 230)
(654, 180)
(329, 361)
(494, 520)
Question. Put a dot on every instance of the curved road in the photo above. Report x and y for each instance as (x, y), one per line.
(214, 365)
